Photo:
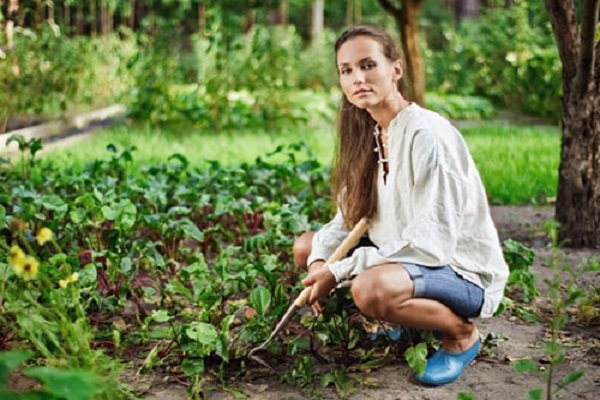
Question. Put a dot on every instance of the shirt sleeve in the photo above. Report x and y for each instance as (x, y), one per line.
(438, 197)
(327, 239)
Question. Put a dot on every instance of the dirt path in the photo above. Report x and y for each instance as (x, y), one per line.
(491, 378)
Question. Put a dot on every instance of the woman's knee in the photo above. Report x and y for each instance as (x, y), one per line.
(302, 248)
(379, 289)
(366, 295)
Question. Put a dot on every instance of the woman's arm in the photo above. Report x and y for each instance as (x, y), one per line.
(327, 239)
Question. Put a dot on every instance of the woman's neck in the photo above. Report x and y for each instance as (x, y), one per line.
(387, 110)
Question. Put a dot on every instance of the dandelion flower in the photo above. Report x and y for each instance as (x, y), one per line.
(74, 277)
(16, 259)
(43, 235)
(30, 267)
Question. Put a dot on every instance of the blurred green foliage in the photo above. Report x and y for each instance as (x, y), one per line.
(507, 55)
(58, 75)
(224, 72)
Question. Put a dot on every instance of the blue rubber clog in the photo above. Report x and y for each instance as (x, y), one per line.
(444, 366)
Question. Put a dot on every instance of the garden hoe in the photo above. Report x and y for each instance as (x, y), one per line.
(347, 244)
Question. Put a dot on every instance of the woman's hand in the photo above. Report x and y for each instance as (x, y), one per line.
(322, 282)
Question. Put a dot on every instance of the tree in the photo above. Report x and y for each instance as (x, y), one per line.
(11, 13)
(578, 200)
(353, 12)
(464, 9)
(318, 10)
(405, 16)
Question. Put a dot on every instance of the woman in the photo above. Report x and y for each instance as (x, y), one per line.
(434, 259)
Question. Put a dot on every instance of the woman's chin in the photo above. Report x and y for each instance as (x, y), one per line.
(363, 105)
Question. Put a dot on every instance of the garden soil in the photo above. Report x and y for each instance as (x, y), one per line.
(490, 377)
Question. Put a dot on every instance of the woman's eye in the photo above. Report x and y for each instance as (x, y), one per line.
(345, 71)
(369, 66)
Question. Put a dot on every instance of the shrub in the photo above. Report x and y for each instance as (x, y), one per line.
(507, 55)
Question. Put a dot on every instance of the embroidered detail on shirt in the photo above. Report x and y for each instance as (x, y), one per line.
(379, 150)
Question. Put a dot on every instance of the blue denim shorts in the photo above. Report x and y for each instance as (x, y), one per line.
(442, 284)
(446, 286)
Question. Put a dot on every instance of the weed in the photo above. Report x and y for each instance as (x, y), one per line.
(563, 293)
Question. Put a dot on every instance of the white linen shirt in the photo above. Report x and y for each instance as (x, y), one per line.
(432, 210)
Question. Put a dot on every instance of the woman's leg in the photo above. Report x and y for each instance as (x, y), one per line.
(302, 248)
(385, 292)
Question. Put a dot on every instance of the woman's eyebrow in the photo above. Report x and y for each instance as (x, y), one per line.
(359, 61)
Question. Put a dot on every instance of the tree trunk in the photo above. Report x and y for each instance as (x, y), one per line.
(350, 13)
(131, 22)
(283, 13)
(353, 12)
(50, 11)
(67, 19)
(79, 17)
(249, 16)
(104, 18)
(39, 14)
(202, 20)
(318, 10)
(93, 28)
(110, 21)
(464, 9)
(578, 199)
(11, 13)
(406, 19)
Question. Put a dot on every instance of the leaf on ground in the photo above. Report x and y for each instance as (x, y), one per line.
(68, 384)
(526, 365)
(10, 361)
(534, 394)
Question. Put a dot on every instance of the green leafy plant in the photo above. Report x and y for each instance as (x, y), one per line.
(521, 284)
(28, 150)
(344, 384)
(563, 294)
(58, 384)
(506, 54)
(490, 342)
(416, 357)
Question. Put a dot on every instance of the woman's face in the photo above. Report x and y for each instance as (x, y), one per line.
(367, 77)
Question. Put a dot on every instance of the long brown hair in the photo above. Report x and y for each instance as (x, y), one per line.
(354, 176)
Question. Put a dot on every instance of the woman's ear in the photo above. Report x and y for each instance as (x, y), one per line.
(398, 70)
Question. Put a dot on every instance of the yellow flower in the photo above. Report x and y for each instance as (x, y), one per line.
(30, 267)
(16, 258)
(70, 279)
(43, 236)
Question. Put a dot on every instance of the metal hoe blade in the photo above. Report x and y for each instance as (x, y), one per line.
(284, 321)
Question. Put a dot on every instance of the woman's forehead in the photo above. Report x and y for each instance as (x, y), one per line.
(357, 49)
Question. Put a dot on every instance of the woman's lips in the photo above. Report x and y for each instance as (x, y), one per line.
(361, 92)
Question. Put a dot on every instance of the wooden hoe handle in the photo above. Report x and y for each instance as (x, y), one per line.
(347, 244)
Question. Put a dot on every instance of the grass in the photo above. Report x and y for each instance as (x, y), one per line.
(518, 164)
(155, 145)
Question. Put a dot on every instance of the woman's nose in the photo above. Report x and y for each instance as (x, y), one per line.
(359, 77)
